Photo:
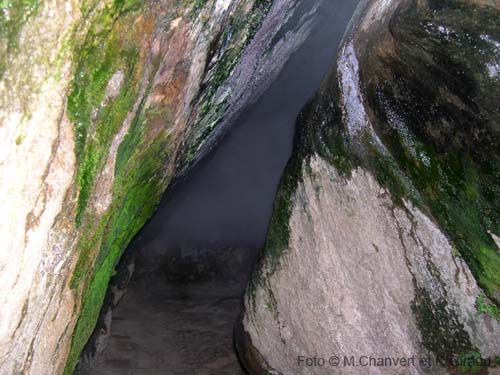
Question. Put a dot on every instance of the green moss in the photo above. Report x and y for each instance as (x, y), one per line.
(487, 308)
(431, 106)
(436, 117)
(105, 50)
(278, 233)
(139, 174)
(139, 177)
(470, 363)
(91, 305)
(138, 188)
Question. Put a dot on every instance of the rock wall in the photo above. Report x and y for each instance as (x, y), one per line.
(384, 237)
(102, 104)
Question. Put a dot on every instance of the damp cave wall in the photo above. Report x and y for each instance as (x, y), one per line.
(103, 103)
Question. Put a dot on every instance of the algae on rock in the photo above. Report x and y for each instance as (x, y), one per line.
(387, 218)
(102, 104)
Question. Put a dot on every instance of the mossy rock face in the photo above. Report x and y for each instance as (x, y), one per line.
(93, 134)
(431, 92)
(106, 50)
(114, 83)
(433, 95)
(429, 84)
(111, 48)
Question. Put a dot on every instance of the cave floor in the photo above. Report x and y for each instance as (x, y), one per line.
(173, 329)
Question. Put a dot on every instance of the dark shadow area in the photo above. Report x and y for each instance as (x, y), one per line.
(193, 259)
(227, 199)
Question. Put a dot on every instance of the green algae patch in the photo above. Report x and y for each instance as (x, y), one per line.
(484, 307)
(109, 47)
(137, 195)
(139, 185)
(434, 112)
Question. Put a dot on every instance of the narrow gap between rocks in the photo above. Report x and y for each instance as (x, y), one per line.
(195, 256)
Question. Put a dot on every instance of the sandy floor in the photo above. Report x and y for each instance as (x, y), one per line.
(173, 330)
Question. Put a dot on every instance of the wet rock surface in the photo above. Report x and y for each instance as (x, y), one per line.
(383, 237)
(386, 223)
(227, 199)
(102, 103)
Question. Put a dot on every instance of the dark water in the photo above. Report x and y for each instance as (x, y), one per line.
(194, 256)
(228, 198)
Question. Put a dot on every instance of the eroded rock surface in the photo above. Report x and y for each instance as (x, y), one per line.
(383, 239)
(102, 103)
